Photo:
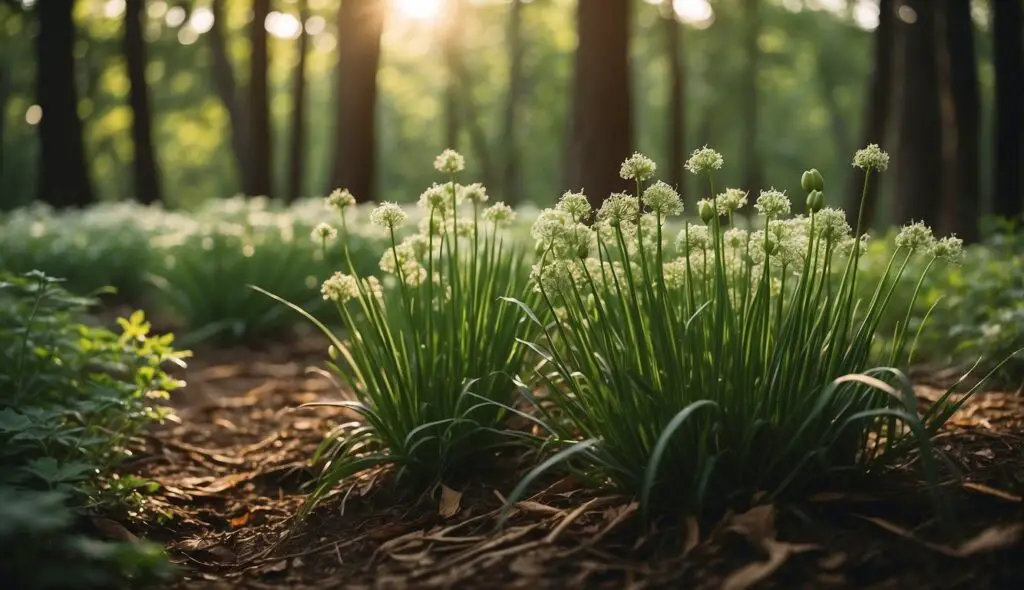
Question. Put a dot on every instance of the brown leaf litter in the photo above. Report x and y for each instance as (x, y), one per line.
(232, 470)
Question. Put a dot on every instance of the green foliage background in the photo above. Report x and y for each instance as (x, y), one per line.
(799, 115)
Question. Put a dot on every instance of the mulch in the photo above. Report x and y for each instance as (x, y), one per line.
(233, 465)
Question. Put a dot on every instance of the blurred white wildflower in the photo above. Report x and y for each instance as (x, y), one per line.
(871, 158)
(449, 162)
(323, 232)
(693, 238)
(339, 288)
(675, 273)
(340, 199)
(704, 159)
(388, 215)
(618, 209)
(373, 287)
(830, 224)
(772, 204)
(637, 167)
(499, 214)
(915, 236)
(440, 198)
(736, 238)
(731, 200)
(550, 225)
(661, 198)
(474, 193)
(575, 204)
(949, 249)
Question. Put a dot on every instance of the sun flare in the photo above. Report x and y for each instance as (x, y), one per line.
(418, 9)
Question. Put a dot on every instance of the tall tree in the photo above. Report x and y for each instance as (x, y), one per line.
(510, 175)
(5, 95)
(749, 98)
(259, 160)
(879, 109)
(961, 197)
(63, 174)
(460, 110)
(919, 153)
(298, 123)
(228, 93)
(144, 166)
(601, 131)
(1007, 22)
(676, 136)
(451, 32)
(355, 148)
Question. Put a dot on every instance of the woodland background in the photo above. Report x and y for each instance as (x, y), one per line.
(182, 101)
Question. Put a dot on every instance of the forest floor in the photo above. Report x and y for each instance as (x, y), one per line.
(231, 471)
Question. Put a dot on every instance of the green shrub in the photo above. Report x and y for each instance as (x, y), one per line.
(74, 394)
(739, 366)
(102, 246)
(428, 352)
(978, 305)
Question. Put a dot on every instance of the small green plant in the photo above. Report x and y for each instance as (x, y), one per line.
(428, 352)
(977, 308)
(740, 365)
(74, 395)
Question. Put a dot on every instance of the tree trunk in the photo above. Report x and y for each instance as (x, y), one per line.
(919, 158)
(601, 132)
(260, 162)
(961, 206)
(450, 32)
(510, 175)
(227, 92)
(147, 176)
(5, 95)
(298, 139)
(63, 174)
(879, 108)
(358, 58)
(1007, 21)
(676, 136)
(749, 96)
(828, 86)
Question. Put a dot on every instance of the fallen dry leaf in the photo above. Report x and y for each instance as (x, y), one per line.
(750, 574)
(450, 502)
(756, 524)
(529, 506)
(241, 520)
(113, 530)
(692, 535)
(832, 561)
(991, 539)
(990, 491)
(274, 567)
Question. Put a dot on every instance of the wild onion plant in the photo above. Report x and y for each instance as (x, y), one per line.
(429, 351)
(738, 364)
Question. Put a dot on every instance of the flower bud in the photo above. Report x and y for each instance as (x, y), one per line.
(812, 181)
(706, 209)
(332, 352)
(815, 201)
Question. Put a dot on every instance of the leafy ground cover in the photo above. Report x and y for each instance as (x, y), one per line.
(74, 397)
